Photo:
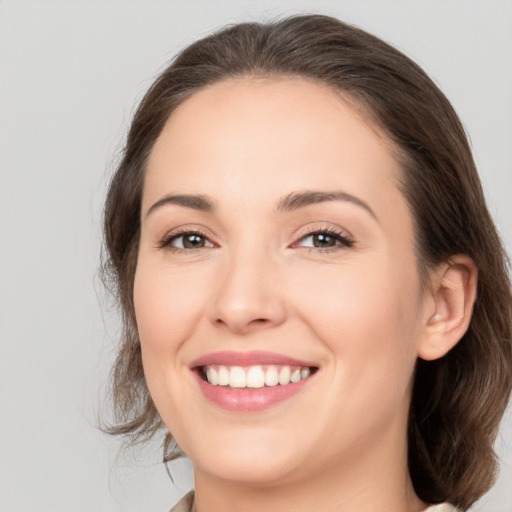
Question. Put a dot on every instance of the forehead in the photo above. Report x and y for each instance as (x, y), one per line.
(268, 136)
(252, 101)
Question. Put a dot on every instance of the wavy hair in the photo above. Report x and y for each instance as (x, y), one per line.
(458, 400)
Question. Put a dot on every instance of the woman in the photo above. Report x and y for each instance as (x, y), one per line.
(316, 304)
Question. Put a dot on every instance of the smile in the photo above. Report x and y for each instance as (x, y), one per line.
(254, 376)
(250, 381)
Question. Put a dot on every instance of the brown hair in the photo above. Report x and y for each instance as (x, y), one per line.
(458, 400)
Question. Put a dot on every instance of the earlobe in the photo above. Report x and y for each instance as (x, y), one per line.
(450, 305)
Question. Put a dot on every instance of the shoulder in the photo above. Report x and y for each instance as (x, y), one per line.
(185, 504)
(442, 507)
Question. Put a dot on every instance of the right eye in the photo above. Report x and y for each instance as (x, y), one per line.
(188, 240)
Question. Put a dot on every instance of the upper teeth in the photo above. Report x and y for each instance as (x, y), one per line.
(254, 376)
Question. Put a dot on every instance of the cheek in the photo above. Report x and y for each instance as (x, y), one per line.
(367, 315)
(162, 309)
(167, 306)
(368, 319)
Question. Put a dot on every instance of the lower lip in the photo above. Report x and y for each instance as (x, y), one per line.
(249, 399)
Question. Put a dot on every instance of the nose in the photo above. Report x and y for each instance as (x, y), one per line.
(249, 297)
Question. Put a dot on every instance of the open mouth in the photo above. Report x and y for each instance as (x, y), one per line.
(247, 382)
(257, 376)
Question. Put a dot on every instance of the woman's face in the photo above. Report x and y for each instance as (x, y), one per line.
(277, 260)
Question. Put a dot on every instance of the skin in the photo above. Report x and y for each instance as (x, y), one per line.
(259, 283)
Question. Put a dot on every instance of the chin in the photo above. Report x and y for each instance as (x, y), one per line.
(249, 463)
(247, 471)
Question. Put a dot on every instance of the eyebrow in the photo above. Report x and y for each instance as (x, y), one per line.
(293, 201)
(196, 202)
(297, 200)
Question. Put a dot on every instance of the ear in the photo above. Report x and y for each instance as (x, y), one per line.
(448, 306)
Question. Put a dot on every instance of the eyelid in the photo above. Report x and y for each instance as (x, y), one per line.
(341, 235)
(345, 239)
(166, 241)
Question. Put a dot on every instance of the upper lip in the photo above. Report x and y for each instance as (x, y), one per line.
(231, 358)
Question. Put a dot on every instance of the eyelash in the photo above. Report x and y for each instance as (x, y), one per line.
(341, 240)
(167, 240)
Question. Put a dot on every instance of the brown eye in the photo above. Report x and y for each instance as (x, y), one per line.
(325, 240)
(193, 241)
(189, 240)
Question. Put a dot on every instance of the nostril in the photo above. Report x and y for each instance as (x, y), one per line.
(242, 324)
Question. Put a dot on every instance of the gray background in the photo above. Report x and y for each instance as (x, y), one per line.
(71, 74)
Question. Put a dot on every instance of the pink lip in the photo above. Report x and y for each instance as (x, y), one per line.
(248, 400)
(229, 358)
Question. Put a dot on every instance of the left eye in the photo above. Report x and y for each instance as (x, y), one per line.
(324, 240)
